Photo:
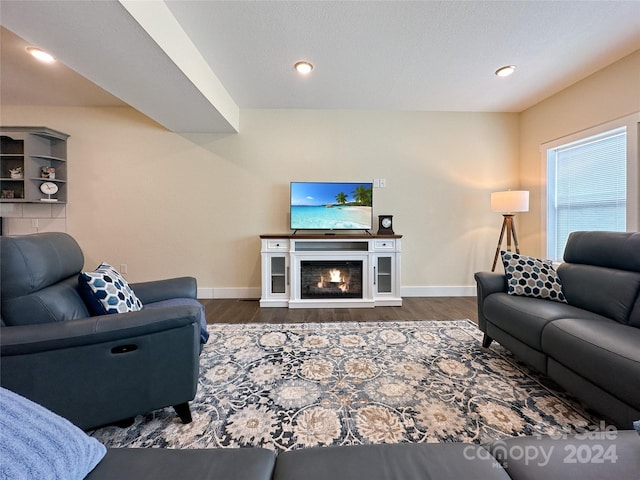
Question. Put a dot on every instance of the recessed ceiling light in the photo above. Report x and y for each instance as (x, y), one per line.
(506, 70)
(304, 68)
(40, 54)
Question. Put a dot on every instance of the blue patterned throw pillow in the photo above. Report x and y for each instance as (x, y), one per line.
(105, 291)
(532, 277)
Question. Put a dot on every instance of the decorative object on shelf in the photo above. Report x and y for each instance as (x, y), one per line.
(48, 172)
(508, 203)
(15, 172)
(49, 188)
(385, 224)
(8, 194)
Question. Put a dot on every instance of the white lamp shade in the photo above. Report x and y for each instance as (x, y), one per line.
(510, 201)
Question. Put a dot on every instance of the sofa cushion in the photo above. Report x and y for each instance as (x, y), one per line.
(617, 250)
(37, 443)
(601, 350)
(106, 291)
(606, 291)
(389, 461)
(531, 277)
(525, 317)
(192, 464)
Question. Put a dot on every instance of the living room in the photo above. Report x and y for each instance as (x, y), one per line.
(171, 204)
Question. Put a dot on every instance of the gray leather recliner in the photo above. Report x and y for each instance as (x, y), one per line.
(92, 370)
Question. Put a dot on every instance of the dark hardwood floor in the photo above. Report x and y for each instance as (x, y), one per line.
(413, 308)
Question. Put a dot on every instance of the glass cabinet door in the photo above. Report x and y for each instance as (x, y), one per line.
(278, 275)
(383, 275)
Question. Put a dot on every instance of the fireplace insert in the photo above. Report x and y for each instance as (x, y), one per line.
(330, 279)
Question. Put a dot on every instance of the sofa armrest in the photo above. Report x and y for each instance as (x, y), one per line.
(486, 284)
(98, 370)
(29, 339)
(490, 282)
(158, 290)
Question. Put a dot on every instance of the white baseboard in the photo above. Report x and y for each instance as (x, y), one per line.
(205, 293)
(453, 291)
(241, 292)
(254, 292)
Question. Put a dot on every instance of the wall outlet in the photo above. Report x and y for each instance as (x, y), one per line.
(383, 182)
(123, 268)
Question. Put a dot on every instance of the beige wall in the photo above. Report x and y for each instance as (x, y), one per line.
(609, 94)
(168, 204)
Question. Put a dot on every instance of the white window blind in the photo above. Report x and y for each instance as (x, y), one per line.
(587, 187)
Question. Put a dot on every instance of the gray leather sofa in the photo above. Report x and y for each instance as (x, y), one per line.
(92, 370)
(616, 455)
(589, 345)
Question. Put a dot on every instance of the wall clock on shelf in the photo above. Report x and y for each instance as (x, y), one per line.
(49, 188)
(385, 224)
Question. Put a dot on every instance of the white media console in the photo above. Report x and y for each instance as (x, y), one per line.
(330, 271)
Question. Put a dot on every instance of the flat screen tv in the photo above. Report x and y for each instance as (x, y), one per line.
(331, 205)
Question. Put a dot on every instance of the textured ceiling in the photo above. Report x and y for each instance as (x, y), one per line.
(192, 65)
(433, 55)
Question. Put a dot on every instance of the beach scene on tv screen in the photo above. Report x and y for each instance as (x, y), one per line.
(331, 206)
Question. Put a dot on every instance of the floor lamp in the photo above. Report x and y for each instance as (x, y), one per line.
(508, 203)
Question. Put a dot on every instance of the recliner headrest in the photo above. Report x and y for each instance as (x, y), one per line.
(33, 262)
(619, 250)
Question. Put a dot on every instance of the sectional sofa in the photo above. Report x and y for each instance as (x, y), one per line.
(517, 458)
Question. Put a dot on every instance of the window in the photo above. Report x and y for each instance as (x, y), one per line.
(586, 187)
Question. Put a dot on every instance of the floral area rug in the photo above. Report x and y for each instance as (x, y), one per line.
(288, 386)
